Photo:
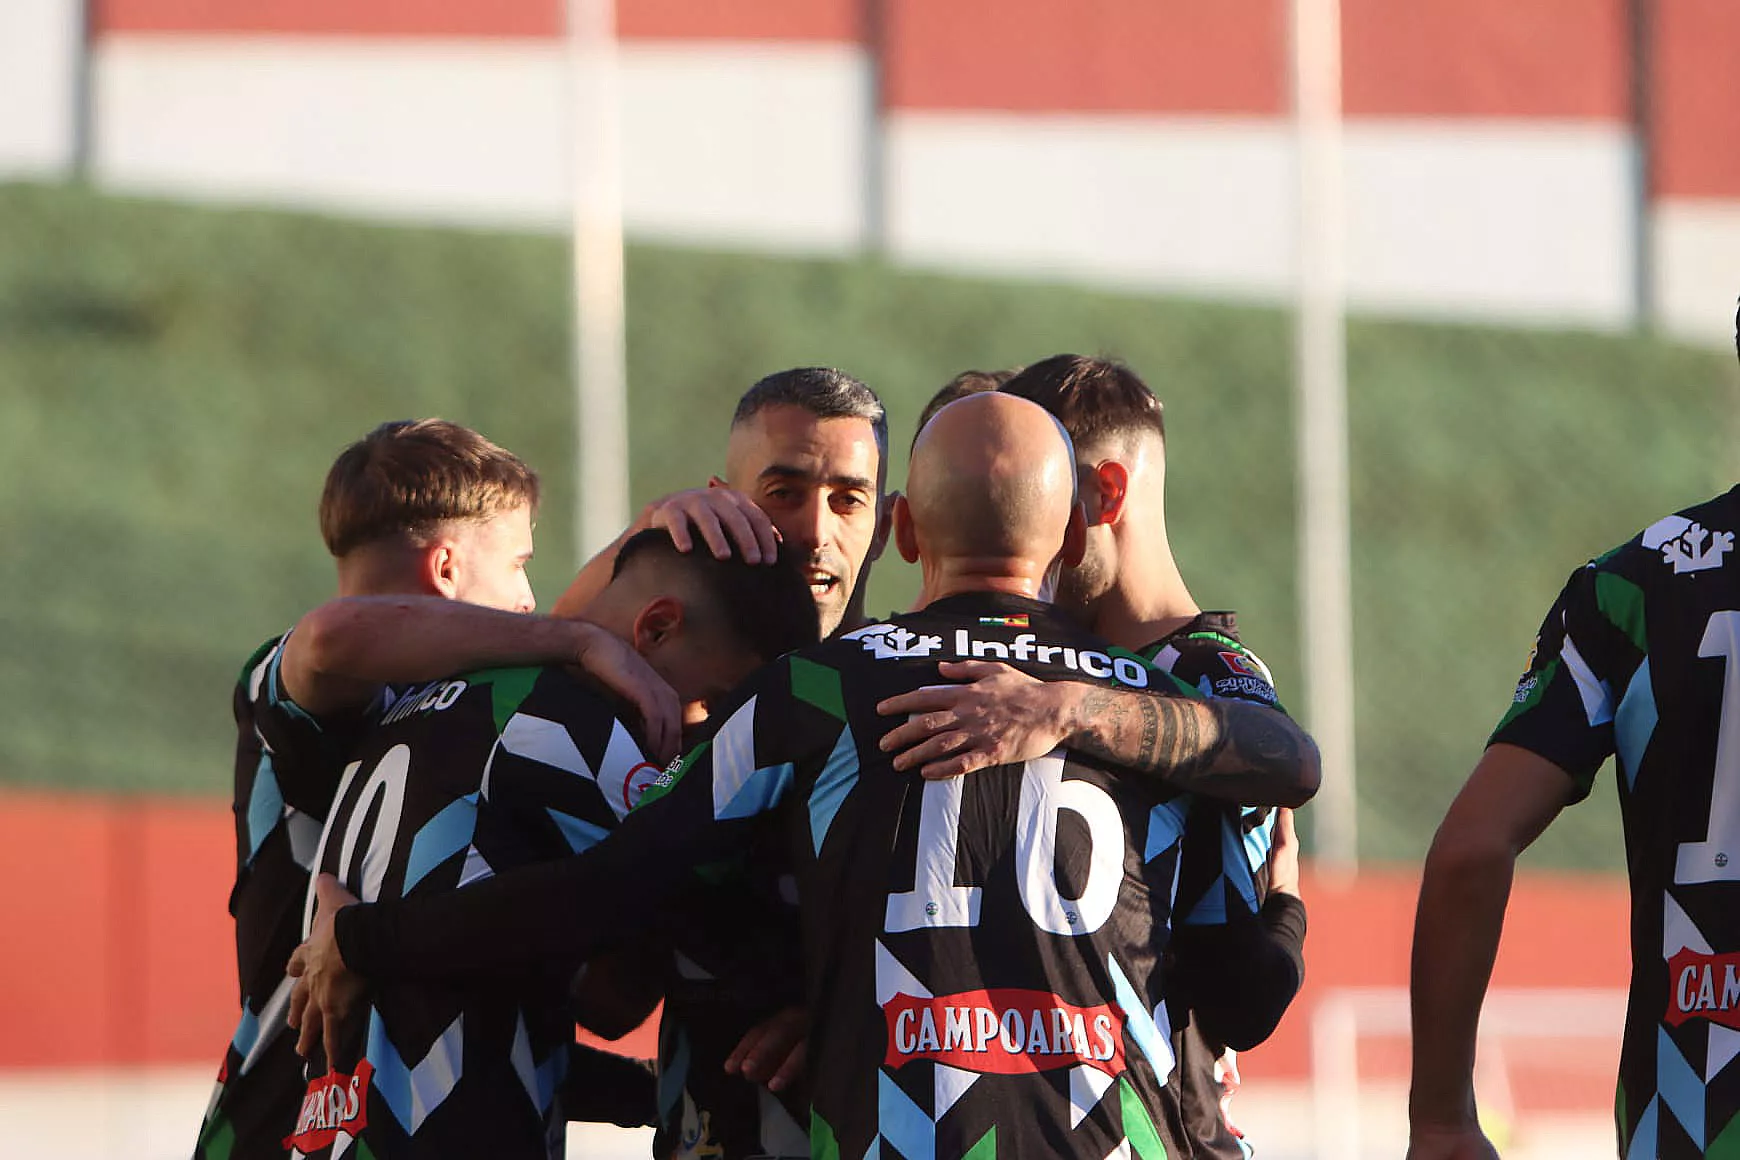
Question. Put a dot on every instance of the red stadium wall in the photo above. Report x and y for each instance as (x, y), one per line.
(121, 951)
(1551, 59)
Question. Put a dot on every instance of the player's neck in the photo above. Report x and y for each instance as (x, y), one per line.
(1149, 600)
(1011, 576)
(389, 573)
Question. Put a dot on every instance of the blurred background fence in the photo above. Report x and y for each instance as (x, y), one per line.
(238, 234)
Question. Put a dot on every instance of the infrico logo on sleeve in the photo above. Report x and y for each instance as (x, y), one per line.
(892, 642)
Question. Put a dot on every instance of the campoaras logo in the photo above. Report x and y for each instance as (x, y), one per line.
(1003, 1032)
(334, 1103)
(1704, 987)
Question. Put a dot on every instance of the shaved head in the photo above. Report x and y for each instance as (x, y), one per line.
(992, 477)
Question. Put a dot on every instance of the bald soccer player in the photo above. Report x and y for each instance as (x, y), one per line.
(983, 974)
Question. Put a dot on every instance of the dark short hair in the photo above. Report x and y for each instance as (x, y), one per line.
(823, 392)
(964, 384)
(406, 478)
(767, 609)
(1094, 398)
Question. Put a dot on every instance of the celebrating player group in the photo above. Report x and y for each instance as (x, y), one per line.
(1009, 874)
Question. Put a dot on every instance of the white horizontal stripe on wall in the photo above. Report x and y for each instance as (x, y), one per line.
(39, 42)
(757, 145)
(1697, 268)
(1520, 222)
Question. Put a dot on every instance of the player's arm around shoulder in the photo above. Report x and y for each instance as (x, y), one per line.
(1230, 750)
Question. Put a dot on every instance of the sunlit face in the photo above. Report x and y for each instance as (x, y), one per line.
(489, 560)
(817, 481)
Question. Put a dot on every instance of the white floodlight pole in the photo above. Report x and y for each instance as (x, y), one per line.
(1325, 569)
(600, 348)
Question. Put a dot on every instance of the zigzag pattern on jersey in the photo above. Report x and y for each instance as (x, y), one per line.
(1675, 1120)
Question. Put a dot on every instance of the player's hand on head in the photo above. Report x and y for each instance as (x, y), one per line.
(772, 1053)
(721, 518)
(1432, 1142)
(611, 661)
(326, 990)
(1284, 855)
(1000, 715)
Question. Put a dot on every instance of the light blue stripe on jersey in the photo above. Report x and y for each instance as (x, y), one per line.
(1681, 1088)
(1259, 839)
(903, 1123)
(1635, 723)
(1643, 1140)
(1139, 1022)
(835, 781)
(247, 1033)
(1165, 827)
(579, 833)
(759, 792)
(265, 805)
(441, 837)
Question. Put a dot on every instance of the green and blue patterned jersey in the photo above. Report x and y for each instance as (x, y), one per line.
(287, 767)
(1637, 661)
(456, 781)
(985, 956)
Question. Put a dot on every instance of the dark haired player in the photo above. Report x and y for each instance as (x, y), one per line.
(984, 955)
(415, 508)
(472, 775)
(1638, 659)
(806, 465)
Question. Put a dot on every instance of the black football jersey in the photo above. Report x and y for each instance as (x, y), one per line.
(1208, 658)
(287, 767)
(458, 780)
(1637, 660)
(985, 955)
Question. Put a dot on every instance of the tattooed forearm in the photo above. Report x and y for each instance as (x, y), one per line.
(1224, 749)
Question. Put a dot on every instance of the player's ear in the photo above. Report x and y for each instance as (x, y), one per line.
(884, 526)
(440, 567)
(1111, 482)
(715, 481)
(905, 538)
(656, 623)
(1074, 537)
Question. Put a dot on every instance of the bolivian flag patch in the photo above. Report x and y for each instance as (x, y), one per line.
(1005, 621)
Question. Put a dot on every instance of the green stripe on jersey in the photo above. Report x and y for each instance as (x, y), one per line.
(1543, 681)
(1621, 602)
(823, 1146)
(508, 689)
(986, 1148)
(1138, 1125)
(817, 684)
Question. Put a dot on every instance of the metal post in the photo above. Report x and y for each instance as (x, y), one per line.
(875, 236)
(1325, 570)
(1643, 162)
(600, 348)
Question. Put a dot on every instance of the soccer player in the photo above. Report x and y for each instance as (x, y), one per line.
(983, 972)
(806, 461)
(1129, 589)
(1635, 660)
(472, 775)
(425, 507)
(964, 384)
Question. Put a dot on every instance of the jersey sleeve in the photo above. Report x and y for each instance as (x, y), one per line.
(1588, 647)
(698, 812)
(307, 753)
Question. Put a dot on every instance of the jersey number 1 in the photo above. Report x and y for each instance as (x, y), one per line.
(1715, 858)
(936, 900)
